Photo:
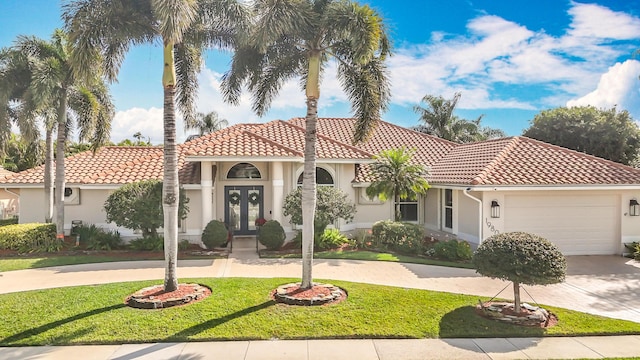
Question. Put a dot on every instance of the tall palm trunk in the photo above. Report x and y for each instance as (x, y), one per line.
(309, 175)
(398, 215)
(60, 183)
(170, 188)
(48, 175)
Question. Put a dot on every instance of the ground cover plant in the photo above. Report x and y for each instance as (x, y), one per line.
(97, 315)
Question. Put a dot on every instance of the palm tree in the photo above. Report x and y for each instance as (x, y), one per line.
(108, 28)
(295, 39)
(39, 76)
(438, 120)
(396, 177)
(207, 123)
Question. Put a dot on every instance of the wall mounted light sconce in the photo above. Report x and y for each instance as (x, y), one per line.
(495, 209)
(634, 207)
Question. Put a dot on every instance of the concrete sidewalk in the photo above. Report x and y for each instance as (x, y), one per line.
(596, 347)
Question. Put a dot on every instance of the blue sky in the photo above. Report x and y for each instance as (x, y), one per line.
(510, 59)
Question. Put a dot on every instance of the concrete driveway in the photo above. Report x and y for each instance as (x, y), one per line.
(602, 285)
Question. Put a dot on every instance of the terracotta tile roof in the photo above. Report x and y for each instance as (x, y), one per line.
(508, 161)
(4, 172)
(524, 161)
(429, 149)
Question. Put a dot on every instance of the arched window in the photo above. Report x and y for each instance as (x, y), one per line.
(244, 171)
(323, 177)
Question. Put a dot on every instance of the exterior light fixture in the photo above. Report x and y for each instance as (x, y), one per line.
(634, 207)
(495, 209)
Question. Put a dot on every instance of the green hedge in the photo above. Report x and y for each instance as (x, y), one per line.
(12, 221)
(26, 238)
(399, 236)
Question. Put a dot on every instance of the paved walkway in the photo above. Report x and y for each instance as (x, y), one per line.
(602, 285)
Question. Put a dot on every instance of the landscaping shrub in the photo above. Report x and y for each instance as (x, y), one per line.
(104, 240)
(215, 234)
(12, 221)
(403, 237)
(330, 239)
(521, 258)
(272, 235)
(331, 204)
(183, 245)
(453, 250)
(151, 243)
(26, 238)
(634, 250)
(87, 232)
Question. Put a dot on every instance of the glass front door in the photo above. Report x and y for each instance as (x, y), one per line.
(244, 204)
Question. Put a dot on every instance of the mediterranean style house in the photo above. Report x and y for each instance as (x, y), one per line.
(584, 204)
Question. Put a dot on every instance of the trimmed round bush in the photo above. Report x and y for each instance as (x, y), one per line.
(272, 235)
(215, 234)
(521, 258)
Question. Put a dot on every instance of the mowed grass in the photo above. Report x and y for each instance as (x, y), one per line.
(241, 308)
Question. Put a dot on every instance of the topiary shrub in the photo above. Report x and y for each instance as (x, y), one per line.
(215, 234)
(453, 250)
(272, 235)
(26, 238)
(521, 258)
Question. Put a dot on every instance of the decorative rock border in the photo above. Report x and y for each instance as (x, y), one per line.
(504, 312)
(145, 298)
(288, 294)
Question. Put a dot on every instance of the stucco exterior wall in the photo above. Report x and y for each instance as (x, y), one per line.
(467, 218)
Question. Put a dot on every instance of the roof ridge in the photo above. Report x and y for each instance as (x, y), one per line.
(498, 158)
(271, 141)
(324, 137)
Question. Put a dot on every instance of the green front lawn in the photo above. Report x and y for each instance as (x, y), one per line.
(241, 309)
(370, 256)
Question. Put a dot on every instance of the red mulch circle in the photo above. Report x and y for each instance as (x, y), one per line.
(306, 295)
(156, 298)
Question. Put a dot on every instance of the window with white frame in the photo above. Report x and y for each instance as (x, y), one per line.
(448, 208)
(408, 210)
(323, 177)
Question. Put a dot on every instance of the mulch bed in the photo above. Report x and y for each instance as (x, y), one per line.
(317, 295)
(552, 319)
(155, 297)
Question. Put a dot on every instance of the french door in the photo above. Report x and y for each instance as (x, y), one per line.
(244, 204)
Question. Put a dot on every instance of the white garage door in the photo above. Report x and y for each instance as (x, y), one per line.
(578, 225)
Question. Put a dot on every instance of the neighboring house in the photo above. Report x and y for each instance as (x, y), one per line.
(9, 200)
(582, 203)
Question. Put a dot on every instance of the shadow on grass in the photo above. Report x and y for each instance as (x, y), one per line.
(464, 322)
(46, 327)
(184, 334)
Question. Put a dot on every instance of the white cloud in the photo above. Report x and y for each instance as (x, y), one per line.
(595, 21)
(147, 121)
(619, 86)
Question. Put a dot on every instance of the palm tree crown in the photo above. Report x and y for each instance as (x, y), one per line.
(108, 28)
(397, 177)
(296, 39)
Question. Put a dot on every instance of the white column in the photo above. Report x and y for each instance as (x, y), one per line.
(206, 181)
(277, 191)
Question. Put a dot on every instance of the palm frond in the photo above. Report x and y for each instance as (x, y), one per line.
(188, 63)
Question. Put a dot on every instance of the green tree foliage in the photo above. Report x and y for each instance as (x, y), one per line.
(138, 206)
(609, 134)
(521, 258)
(21, 154)
(206, 123)
(397, 178)
(332, 204)
(296, 39)
(437, 119)
(38, 81)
